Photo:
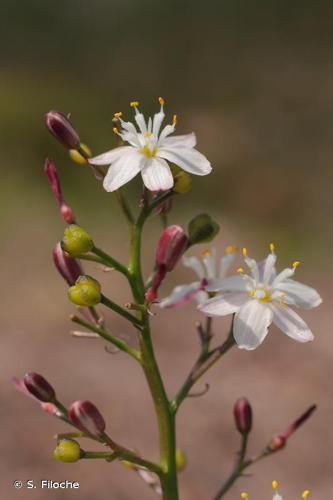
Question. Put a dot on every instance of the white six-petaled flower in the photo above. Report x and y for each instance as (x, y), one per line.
(260, 298)
(208, 269)
(276, 495)
(149, 151)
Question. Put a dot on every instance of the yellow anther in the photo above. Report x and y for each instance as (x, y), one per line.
(174, 119)
(244, 495)
(275, 485)
(115, 130)
(244, 251)
(161, 101)
(231, 249)
(305, 494)
(240, 270)
(147, 134)
(206, 253)
(118, 115)
(272, 247)
(252, 292)
(133, 104)
(296, 263)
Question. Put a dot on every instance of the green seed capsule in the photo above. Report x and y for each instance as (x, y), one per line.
(67, 451)
(85, 292)
(76, 241)
(202, 229)
(180, 460)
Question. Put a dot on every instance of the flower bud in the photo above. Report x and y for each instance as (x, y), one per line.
(180, 460)
(67, 451)
(87, 417)
(182, 180)
(278, 442)
(66, 211)
(171, 246)
(80, 157)
(86, 292)
(39, 387)
(62, 128)
(76, 241)
(202, 229)
(243, 415)
(69, 268)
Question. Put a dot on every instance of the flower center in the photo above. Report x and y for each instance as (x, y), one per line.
(149, 152)
(261, 294)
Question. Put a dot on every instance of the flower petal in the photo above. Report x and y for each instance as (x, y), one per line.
(187, 140)
(123, 170)
(111, 156)
(299, 295)
(251, 324)
(225, 264)
(188, 159)
(291, 324)
(156, 175)
(228, 303)
(234, 283)
(195, 264)
(180, 295)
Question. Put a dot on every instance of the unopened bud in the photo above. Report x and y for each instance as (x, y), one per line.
(81, 155)
(202, 229)
(87, 417)
(277, 443)
(180, 460)
(66, 211)
(243, 415)
(69, 268)
(76, 241)
(67, 451)
(182, 180)
(39, 387)
(62, 128)
(86, 292)
(171, 246)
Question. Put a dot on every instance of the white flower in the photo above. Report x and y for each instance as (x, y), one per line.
(276, 495)
(207, 270)
(149, 148)
(260, 298)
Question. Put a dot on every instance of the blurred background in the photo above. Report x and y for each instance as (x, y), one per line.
(254, 80)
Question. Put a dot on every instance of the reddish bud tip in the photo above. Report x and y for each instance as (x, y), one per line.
(243, 415)
(62, 128)
(277, 443)
(39, 387)
(66, 211)
(69, 268)
(87, 417)
(171, 246)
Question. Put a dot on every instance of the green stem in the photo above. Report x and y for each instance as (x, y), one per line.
(109, 261)
(125, 207)
(121, 344)
(120, 310)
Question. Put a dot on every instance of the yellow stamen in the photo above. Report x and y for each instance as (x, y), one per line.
(275, 485)
(118, 115)
(296, 263)
(115, 130)
(272, 247)
(252, 292)
(147, 134)
(231, 249)
(244, 251)
(244, 495)
(206, 253)
(174, 119)
(161, 101)
(133, 104)
(305, 494)
(240, 270)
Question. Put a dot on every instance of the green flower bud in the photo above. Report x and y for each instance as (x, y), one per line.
(76, 241)
(85, 292)
(182, 180)
(202, 229)
(180, 460)
(67, 451)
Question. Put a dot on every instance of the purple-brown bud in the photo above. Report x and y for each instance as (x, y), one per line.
(243, 415)
(69, 268)
(278, 442)
(62, 128)
(171, 246)
(87, 417)
(39, 387)
(66, 211)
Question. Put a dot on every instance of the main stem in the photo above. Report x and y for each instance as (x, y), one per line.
(164, 413)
